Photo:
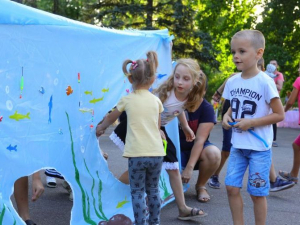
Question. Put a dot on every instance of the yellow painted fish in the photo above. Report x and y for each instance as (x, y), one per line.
(105, 90)
(85, 110)
(120, 204)
(17, 116)
(95, 100)
(88, 92)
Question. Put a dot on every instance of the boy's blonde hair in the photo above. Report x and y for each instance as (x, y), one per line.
(256, 37)
(198, 90)
(141, 71)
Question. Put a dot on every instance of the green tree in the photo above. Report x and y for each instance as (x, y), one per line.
(77, 10)
(222, 19)
(280, 25)
(175, 15)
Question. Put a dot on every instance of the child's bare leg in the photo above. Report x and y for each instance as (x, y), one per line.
(224, 157)
(296, 164)
(236, 205)
(21, 197)
(176, 185)
(272, 173)
(260, 209)
(124, 178)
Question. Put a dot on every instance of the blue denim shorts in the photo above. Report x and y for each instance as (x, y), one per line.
(185, 155)
(259, 163)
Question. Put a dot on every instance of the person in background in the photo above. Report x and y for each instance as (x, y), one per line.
(277, 183)
(261, 64)
(200, 154)
(279, 79)
(21, 195)
(288, 94)
(293, 174)
(227, 133)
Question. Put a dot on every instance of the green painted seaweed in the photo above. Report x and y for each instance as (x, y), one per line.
(15, 221)
(99, 197)
(162, 185)
(2, 214)
(88, 203)
(102, 217)
(86, 215)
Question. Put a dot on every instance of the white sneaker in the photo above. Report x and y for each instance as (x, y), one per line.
(51, 182)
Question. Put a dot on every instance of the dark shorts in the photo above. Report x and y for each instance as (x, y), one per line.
(227, 140)
(186, 153)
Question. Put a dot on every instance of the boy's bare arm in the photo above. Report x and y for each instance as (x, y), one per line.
(276, 116)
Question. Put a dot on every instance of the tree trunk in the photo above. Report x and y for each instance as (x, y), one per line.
(149, 14)
(56, 6)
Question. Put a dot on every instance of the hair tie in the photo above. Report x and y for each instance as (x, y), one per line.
(134, 65)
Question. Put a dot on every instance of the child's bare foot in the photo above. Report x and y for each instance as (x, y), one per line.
(202, 194)
(191, 213)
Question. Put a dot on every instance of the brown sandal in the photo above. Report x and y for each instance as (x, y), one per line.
(201, 197)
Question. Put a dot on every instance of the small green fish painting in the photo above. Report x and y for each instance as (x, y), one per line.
(85, 110)
(17, 116)
(88, 92)
(120, 204)
(95, 100)
(105, 90)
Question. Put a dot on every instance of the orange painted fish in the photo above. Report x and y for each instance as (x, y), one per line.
(69, 90)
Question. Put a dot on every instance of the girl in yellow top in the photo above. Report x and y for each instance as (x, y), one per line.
(184, 89)
(144, 147)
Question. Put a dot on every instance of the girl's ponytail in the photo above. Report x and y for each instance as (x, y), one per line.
(124, 67)
(141, 71)
(153, 62)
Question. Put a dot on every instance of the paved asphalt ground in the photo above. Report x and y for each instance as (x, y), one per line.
(54, 207)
